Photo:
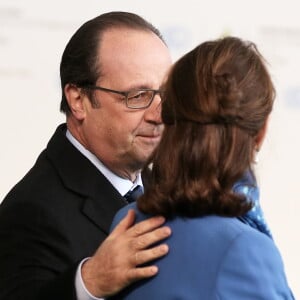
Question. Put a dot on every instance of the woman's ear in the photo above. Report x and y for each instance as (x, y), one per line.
(261, 135)
(75, 99)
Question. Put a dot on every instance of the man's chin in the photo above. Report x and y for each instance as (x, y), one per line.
(142, 157)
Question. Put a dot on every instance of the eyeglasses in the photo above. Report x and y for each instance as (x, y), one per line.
(135, 99)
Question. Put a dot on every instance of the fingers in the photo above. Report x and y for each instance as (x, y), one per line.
(141, 228)
(145, 240)
(125, 223)
(109, 270)
(141, 273)
(145, 256)
(146, 226)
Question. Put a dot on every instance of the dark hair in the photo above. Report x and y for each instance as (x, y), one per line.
(218, 97)
(79, 61)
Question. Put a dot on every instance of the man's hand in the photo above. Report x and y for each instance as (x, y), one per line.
(116, 262)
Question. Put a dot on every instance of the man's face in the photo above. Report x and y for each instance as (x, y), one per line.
(124, 138)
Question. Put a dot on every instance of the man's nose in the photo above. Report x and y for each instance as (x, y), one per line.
(153, 112)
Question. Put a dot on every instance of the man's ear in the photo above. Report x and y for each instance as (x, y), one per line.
(75, 99)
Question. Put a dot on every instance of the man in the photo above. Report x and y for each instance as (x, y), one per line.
(54, 223)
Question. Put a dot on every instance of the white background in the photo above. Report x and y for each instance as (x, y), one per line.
(33, 34)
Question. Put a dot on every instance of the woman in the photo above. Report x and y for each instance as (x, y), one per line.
(216, 108)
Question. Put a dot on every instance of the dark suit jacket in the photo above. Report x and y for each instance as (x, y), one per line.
(58, 214)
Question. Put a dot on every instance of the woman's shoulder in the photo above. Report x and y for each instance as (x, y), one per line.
(224, 227)
(254, 263)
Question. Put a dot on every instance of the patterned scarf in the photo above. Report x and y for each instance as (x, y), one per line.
(247, 186)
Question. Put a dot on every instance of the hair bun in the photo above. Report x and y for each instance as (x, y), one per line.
(228, 96)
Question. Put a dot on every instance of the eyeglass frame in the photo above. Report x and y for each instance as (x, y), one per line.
(126, 93)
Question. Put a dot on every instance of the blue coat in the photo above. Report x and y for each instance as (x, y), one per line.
(213, 257)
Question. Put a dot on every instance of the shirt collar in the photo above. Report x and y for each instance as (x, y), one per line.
(122, 185)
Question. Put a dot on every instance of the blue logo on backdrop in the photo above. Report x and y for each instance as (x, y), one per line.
(178, 38)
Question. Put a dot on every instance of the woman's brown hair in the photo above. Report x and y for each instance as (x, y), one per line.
(218, 98)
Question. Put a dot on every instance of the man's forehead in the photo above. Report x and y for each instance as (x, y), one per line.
(130, 58)
(131, 48)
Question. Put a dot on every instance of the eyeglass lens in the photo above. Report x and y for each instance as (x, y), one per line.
(139, 98)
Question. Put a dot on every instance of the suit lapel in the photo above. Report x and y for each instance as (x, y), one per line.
(101, 199)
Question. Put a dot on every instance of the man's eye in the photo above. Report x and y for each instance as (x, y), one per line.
(137, 95)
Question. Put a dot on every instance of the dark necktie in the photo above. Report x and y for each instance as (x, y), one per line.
(132, 195)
